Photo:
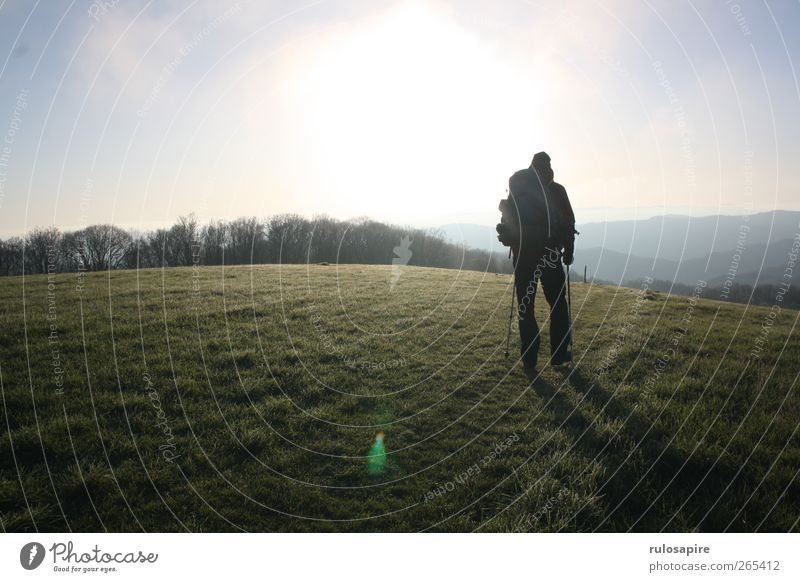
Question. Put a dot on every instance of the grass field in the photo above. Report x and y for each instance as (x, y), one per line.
(247, 399)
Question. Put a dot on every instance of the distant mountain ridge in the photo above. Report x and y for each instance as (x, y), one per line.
(682, 237)
(672, 247)
(755, 264)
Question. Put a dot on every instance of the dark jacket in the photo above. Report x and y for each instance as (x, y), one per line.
(560, 200)
(536, 215)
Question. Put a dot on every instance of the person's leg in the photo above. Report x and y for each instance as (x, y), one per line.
(525, 283)
(555, 290)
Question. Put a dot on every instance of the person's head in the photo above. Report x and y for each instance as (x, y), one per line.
(541, 163)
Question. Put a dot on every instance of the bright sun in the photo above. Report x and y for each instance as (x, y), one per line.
(393, 114)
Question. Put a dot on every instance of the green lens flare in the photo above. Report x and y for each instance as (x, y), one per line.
(376, 458)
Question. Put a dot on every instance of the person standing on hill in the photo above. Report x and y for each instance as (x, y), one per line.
(539, 225)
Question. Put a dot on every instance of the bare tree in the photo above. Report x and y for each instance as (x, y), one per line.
(102, 247)
(287, 238)
(71, 257)
(247, 242)
(325, 236)
(183, 241)
(156, 249)
(11, 256)
(215, 240)
(41, 246)
(136, 251)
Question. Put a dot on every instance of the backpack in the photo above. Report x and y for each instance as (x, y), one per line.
(527, 216)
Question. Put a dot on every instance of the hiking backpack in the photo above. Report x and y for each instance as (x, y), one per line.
(527, 216)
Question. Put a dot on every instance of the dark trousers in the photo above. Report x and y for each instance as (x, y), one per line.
(544, 267)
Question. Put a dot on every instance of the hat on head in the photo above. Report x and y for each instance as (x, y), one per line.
(541, 159)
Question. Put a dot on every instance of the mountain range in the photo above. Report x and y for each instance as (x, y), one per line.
(754, 248)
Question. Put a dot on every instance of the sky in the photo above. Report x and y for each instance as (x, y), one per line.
(411, 111)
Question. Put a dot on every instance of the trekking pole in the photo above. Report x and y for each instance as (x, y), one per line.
(569, 313)
(510, 317)
(511, 309)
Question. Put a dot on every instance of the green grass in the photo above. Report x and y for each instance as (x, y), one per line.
(271, 389)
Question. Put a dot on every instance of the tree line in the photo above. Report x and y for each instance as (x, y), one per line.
(285, 238)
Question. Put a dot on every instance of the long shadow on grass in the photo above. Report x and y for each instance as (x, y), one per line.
(649, 483)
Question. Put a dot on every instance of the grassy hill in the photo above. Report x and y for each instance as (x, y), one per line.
(248, 398)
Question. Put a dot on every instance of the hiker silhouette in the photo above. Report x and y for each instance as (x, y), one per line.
(539, 225)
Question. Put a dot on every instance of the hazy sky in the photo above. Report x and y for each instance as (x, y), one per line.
(411, 111)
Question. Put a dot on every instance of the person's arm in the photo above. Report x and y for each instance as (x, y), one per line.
(565, 204)
(569, 216)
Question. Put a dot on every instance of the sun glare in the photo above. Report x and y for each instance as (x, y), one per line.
(394, 113)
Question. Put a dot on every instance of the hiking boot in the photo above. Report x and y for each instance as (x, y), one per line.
(530, 371)
(561, 359)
